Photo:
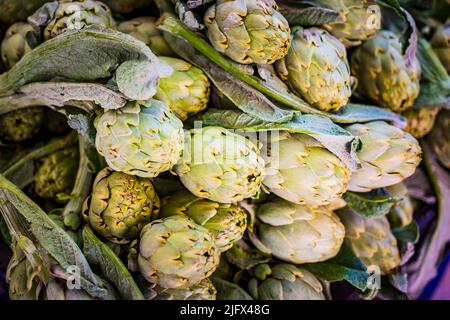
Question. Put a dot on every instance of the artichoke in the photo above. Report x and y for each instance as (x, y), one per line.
(248, 31)
(401, 213)
(220, 165)
(77, 15)
(227, 222)
(17, 10)
(441, 44)
(371, 240)
(22, 124)
(204, 290)
(301, 170)
(186, 90)
(420, 121)
(175, 252)
(15, 44)
(144, 138)
(384, 74)
(388, 155)
(316, 68)
(120, 205)
(56, 173)
(440, 138)
(145, 30)
(359, 20)
(296, 233)
(284, 281)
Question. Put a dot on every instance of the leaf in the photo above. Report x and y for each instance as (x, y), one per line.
(112, 268)
(409, 233)
(244, 256)
(369, 205)
(88, 55)
(229, 291)
(308, 17)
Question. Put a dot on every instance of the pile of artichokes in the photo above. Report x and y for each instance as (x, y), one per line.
(227, 149)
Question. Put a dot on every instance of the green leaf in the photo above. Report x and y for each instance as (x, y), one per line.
(312, 16)
(370, 204)
(409, 233)
(244, 256)
(111, 266)
(229, 291)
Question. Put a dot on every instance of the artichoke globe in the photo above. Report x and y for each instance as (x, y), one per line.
(175, 252)
(143, 138)
(388, 155)
(186, 90)
(359, 20)
(56, 174)
(384, 75)
(120, 205)
(22, 124)
(144, 29)
(401, 213)
(420, 121)
(15, 43)
(248, 31)
(220, 165)
(77, 15)
(301, 170)
(204, 290)
(371, 240)
(441, 44)
(284, 281)
(440, 138)
(296, 233)
(316, 68)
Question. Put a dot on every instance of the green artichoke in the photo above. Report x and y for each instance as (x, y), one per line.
(21, 125)
(388, 156)
(144, 138)
(186, 90)
(15, 44)
(301, 170)
(371, 240)
(248, 31)
(16, 10)
(220, 165)
(284, 281)
(145, 30)
(440, 138)
(56, 173)
(227, 222)
(420, 121)
(204, 290)
(316, 68)
(441, 44)
(384, 74)
(175, 252)
(401, 213)
(77, 15)
(296, 233)
(120, 205)
(359, 20)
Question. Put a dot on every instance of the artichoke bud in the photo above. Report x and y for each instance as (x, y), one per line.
(384, 75)
(401, 214)
(144, 29)
(56, 174)
(220, 165)
(298, 234)
(440, 138)
(286, 282)
(388, 156)
(204, 290)
(441, 44)
(143, 138)
(121, 204)
(227, 222)
(359, 20)
(186, 90)
(371, 240)
(175, 252)
(248, 31)
(420, 121)
(301, 170)
(22, 124)
(262, 271)
(16, 43)
(76, 15)
(316, 68)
